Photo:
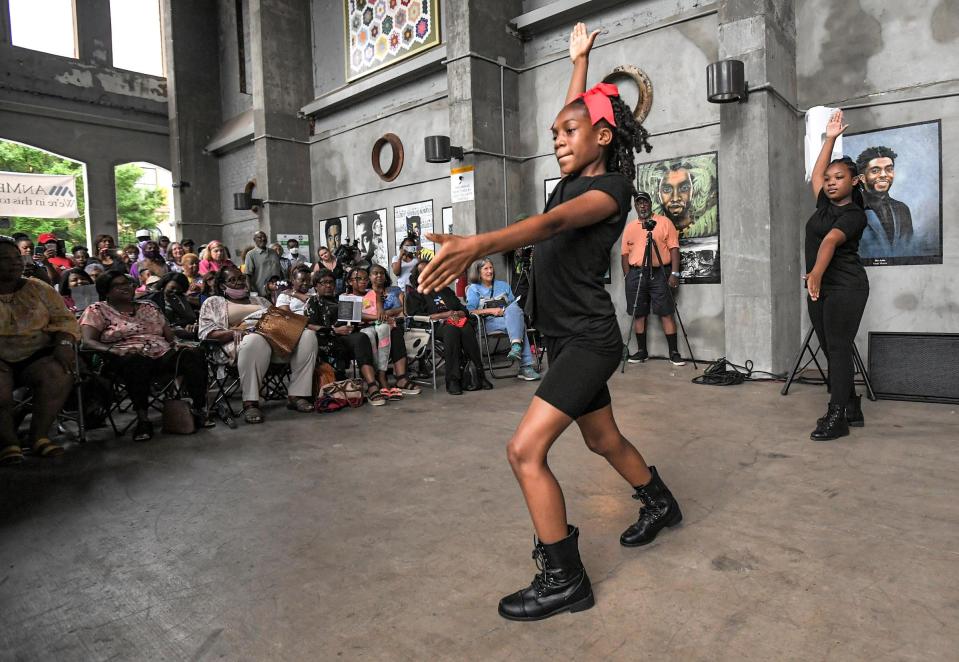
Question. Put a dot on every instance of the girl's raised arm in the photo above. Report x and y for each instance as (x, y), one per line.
(834, 129)
(580, 43)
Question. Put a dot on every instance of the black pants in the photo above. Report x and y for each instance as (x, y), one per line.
(457, 340)
(357, 347)
(836, 317)
(137, 372)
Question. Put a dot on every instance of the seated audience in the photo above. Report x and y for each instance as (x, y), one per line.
(70, 279)
(94, 269)
(326, 260)
(53, 253)
(229, 318)
(81, 257)
(494, 301)
(170, 298)
(137, 344)
(340, 342)
(190, 268)
(214, 257)
(37, 338)
(173, 255)
(383, 303)
(150, 262)
(37, 264)
(105, 248)
(129, 256)
(456, 333)
(294, 299)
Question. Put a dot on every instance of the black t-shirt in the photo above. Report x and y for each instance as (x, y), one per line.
(567, 294)
(845, 270)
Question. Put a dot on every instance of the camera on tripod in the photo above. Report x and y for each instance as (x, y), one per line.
(649, 224)
(347, 253)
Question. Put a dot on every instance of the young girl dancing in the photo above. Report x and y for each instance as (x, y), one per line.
(594, 137)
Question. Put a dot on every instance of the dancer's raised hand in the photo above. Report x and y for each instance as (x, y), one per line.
(835, 126)
(581, 41)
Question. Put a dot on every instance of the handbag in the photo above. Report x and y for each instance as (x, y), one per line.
(177, 415)
(282, 329)
(471, 377)
(349, 391)
(323, 374)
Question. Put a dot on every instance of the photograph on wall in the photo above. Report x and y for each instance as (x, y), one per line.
(548, 186)
(413, 219)
(379, 33)
(334, 231)
(447, 220)
(685, 191)
(901, 169)
(369, 231)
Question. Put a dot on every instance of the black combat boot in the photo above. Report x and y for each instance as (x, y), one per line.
(561, 584)
(659, 510)
(854, 416)
(833, 424)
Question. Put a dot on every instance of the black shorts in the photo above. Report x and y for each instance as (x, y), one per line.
(653, 293)
(17, 368)
(576, 380)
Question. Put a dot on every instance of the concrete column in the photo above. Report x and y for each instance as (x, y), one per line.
(193, 79)
(282, 76)
(476, 114)
(760, 177)
(94, 37)
(101, 200)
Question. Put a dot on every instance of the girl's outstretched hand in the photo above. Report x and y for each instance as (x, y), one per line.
(581, 41)
(835, 126)
(452, 259)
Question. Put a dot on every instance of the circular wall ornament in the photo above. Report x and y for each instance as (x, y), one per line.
(645, 86)
(396, 162)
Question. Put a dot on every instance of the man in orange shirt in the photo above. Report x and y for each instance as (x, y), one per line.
(653, 293)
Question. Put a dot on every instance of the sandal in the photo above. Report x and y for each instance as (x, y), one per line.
(406, 385)
(375, 394)
(392, 393)
(11, 455)
(252, 414)
(43, 447)
(143, 431)
(301, 405)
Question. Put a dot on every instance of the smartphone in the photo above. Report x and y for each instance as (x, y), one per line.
(61, 247)
(39, 250)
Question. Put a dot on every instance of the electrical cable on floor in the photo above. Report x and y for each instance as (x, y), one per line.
(723, 373)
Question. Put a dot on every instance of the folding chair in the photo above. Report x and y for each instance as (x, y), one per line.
(423, 350)
(483, 336)
(23, 406)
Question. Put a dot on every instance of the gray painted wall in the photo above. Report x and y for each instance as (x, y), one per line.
(849, 51)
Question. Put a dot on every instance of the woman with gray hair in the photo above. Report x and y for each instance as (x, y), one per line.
(494, 301)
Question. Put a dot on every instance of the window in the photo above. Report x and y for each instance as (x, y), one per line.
(44, 25)
(137, 37)
(243, 45)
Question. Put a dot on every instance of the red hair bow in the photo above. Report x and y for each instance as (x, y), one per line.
(598, 104)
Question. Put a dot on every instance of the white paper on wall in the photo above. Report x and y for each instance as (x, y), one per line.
(817, 118)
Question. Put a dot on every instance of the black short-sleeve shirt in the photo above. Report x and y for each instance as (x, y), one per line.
(845, 270)
(568, 295)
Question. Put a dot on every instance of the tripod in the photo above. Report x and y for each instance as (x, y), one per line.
(797, 370)
(646, 271)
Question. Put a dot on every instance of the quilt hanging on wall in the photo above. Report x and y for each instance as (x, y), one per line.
(379, 33)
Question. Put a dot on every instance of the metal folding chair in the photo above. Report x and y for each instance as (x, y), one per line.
(424, 351)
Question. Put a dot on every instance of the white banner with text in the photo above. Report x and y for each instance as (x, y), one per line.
(41, 196)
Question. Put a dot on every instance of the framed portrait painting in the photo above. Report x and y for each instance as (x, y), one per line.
(685, 191)
(369, 230)
(901, 170)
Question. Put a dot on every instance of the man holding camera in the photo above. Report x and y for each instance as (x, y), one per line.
(652, 282)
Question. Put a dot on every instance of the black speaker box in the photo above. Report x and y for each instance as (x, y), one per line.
(915, 366)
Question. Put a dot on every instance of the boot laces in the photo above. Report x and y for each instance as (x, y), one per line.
(650, 507)
(543, 579)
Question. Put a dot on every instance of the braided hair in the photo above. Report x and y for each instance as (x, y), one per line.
(629, 136)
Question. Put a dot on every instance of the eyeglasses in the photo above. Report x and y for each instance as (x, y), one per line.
(327, 281)
(360, 278)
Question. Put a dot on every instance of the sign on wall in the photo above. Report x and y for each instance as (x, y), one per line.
(416, 219)
(369, 229)
(39, 196)
(379, 33)
(686, 191)
(461, 184)
(901, 169)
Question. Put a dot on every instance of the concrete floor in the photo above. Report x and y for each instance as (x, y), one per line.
(390, 534)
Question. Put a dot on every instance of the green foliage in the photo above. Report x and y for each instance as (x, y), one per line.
(136, 206)
(15, 157)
